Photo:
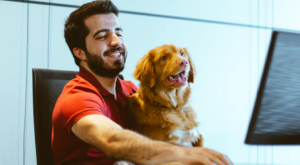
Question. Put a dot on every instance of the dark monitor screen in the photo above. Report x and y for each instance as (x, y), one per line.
(276, 114)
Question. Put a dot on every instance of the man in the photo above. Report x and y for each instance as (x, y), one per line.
(89, 115)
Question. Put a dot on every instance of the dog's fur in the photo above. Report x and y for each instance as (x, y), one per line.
(159, 110)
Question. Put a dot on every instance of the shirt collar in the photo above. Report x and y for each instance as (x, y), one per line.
(85, 74)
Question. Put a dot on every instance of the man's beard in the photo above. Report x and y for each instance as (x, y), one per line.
(96, 63)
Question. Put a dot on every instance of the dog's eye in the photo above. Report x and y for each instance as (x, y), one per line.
(182, 54)
(164, 57)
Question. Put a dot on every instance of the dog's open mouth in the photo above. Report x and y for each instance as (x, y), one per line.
(178, 79)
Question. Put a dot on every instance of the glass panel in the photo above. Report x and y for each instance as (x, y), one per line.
(288, 155)
(37, 58)
(60, 55)
(285, 14)
(213, 10)
(13, 80)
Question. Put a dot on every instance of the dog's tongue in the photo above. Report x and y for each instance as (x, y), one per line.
(178, 79)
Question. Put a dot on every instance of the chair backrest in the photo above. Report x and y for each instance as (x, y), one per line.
(47, 86)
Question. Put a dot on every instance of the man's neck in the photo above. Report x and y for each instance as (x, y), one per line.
(108, 83)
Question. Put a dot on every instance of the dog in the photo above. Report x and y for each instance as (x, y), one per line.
(160, 109)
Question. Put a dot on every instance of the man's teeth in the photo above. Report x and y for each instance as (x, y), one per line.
(114, 55)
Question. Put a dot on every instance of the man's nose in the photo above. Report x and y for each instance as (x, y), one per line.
(116, 41)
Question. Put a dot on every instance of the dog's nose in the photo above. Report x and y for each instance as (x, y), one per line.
(183, 62)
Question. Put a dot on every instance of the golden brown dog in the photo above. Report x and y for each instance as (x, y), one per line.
(160, 109)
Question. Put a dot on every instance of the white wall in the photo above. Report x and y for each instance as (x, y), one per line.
(228, 47)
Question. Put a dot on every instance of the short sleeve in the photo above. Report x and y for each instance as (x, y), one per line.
(80, 103)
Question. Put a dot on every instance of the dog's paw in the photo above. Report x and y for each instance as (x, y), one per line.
(199, 142)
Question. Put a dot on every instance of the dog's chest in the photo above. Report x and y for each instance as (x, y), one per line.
(186, 138)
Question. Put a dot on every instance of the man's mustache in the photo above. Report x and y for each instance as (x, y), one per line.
(113, 50)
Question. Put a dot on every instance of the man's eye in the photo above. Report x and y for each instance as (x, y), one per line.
(120, 35)
(101, 37)
(164, 57)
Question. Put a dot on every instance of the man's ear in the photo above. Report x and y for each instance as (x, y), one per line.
(79, 53)
(144, 71)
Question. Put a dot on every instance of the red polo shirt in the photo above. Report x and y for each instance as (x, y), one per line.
(83, 96)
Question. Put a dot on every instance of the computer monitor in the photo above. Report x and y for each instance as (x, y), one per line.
(276, 114)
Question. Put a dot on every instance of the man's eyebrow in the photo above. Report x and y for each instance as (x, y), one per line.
(119, 29)
(99, 31)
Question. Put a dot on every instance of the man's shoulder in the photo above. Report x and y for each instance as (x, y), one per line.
(77, 95)
(129, 84)
(79, 84)
(79, 89)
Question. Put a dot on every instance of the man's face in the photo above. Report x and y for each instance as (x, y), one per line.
(106, 50)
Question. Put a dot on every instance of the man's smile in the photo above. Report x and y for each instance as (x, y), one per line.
(117, 54)
(114, 54)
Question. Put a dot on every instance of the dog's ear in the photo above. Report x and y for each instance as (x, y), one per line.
(192, 70)
(144, 71)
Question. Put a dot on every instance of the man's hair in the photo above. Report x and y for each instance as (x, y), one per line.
(75, 28)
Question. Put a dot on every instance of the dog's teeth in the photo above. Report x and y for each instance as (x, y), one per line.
(171, 78)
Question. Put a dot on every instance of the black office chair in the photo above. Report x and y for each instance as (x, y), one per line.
(47, 86)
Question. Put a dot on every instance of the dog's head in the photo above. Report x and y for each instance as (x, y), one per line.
(167, 65)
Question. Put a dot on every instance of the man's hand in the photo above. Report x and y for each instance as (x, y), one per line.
(202, 156)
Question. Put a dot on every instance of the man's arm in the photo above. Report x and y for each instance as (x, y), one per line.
(121, 144)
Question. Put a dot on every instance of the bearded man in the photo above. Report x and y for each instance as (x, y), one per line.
(89, 115)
